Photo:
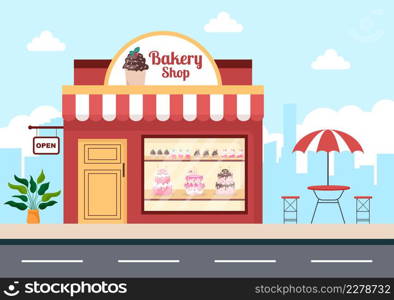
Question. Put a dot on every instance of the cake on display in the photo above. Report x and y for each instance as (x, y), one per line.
(225, 183)
(194, 184)
(162, 185)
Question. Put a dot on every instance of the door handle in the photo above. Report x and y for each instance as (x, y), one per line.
(123, 169)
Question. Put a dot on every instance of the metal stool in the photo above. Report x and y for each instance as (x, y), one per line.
(290, 209)
(363, 209)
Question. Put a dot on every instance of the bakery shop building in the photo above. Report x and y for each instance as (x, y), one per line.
(162, 133)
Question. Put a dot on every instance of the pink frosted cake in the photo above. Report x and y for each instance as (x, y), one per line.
(225, 184)
(194, 184)
(162, 184)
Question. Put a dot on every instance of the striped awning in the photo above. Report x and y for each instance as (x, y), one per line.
(162, 107)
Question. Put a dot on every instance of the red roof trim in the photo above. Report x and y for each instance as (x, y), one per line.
(104, 63)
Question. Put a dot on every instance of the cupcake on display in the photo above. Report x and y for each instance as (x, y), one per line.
(166, 153)
(223, 153)
(197, 154)
(206, 154)
(194, 184)
(160, 154)
(173, 154)
(180, 154)
(225, 183)
(162, 185)
(240, 154)
(215, 154)
(187, 155)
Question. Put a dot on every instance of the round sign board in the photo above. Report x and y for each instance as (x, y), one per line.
(163, 58)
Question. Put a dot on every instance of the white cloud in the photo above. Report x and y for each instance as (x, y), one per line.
(373, 129)
(330, 60)
(223, 23)
(17, 134)
(273, 137)
(46, 42)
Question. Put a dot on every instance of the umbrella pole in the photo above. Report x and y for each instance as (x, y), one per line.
(328, 168)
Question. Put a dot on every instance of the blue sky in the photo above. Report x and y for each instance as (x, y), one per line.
(282, 37)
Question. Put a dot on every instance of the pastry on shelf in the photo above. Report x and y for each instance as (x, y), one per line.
(225, 183)
(166, 153)
(223, 154)
(162, 185)
(215, 154)
(173, 155)
(240, 154)
(187, 155)
(180, 154)
(206, 154)
(197, 154)
(194, 184)
(159, 154)
(231, 154)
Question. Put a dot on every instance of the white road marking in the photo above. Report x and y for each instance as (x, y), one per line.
(341, 261)
(133, 261)
(40, 261)
(241, 261)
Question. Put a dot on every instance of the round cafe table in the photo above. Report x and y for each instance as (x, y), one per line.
(333, 200)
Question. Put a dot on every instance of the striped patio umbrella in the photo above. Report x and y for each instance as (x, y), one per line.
(327, 141)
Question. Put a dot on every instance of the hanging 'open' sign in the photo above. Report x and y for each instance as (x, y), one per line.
(46, 145)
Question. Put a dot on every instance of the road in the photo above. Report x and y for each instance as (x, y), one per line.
(196, 261)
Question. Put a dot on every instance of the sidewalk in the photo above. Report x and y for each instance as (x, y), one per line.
(197, 231)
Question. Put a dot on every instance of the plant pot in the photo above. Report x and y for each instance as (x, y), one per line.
(33, 216)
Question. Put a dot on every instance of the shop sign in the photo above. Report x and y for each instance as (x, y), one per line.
(163, 58)
(46, 145)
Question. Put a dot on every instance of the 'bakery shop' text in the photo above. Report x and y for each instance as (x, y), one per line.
(175, 59)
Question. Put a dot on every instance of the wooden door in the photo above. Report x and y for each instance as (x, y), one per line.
(102, 181)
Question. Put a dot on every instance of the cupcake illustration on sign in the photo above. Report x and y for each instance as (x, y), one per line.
(135, 67)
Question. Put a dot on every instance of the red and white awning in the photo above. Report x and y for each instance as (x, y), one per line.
(163, 107)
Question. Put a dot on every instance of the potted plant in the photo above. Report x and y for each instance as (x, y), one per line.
(34, 196)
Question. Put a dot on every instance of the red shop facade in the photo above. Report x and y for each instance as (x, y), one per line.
(183, 145)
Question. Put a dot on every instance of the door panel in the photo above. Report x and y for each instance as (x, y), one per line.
(102, 181)
(99, 153)
(102, 194)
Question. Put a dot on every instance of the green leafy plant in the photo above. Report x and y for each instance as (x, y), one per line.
(33, 193)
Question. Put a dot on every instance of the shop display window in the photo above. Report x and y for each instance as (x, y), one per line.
(199, 174)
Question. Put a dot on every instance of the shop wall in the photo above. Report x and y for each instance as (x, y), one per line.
(132, 131)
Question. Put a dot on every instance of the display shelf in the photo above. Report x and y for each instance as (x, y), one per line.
(152, 158)
(194, 160)
(207, 195)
